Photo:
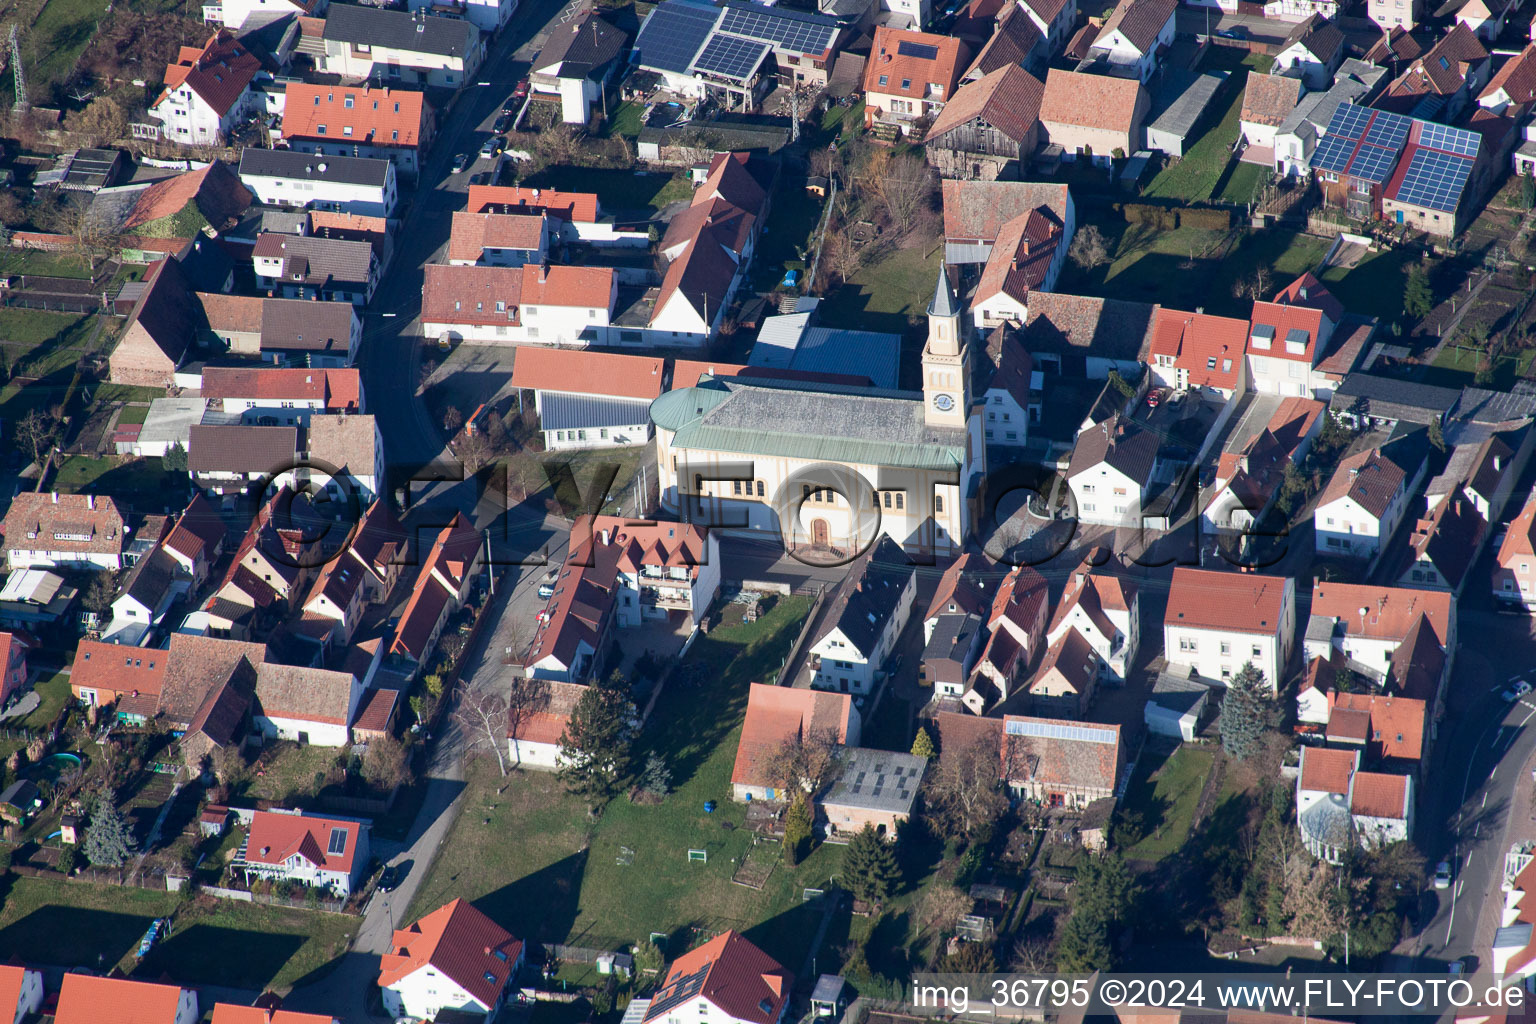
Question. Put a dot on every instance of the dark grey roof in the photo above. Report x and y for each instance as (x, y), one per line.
(1389, 398)
(558, 411)
(867, 598)
(586, 45)
(305, 325)
(728, 131)
(943, 303)
(944, 654)
(1179, 693)
(290, 163)
(1119, 443)
(881, 780)
(318, 260)
(1322, 38)
(400, 30)
(207, 265)
(150, 577)
(241, 449)
(1480, 405)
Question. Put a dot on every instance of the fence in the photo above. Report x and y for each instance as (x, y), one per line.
(144, 878)
(330, 906)
(360, 804)
(796, 651)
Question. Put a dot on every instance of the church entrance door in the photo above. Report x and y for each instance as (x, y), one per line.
(819, 533)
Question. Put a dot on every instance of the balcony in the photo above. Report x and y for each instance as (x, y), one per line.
(652, 597)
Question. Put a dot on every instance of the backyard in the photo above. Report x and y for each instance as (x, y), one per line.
(886, 295)
(1165, 792)
(50, 921)
(532, 858)
(138, 484)
(1207, 171)
(621, 192)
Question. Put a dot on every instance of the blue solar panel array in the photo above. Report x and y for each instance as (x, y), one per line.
(1434, 180)
(1362, 143)
(731, 57)
(1450, 140)
(785, 29)
(673, 34)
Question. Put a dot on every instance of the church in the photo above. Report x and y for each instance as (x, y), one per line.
(828, 466)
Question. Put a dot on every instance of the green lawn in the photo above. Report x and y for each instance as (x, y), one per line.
(47, 264)
(619, 191)
(1199, 175)
(1167, 791)
(213, 942)
(41, 350)
(23, 330)
(140, 483)
(54, 693)
(790, 229)
(285, 772)
(624, 119)
(133, 414)
(108, 392)
(532, 859)
(1189, 267)
(56, 40)
(886, 296)
(1374, 286)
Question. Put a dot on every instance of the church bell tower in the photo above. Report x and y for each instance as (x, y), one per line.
(946, 368)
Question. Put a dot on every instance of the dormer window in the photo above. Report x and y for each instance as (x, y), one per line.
(347, 102)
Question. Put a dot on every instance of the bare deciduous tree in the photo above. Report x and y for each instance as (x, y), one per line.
(1088, 249)
(805, 761)
(36, 433)
(91, 233)
(482, 714)
(843, 257)
(943, 906)
(905, 190)
(1032, 955)
(964, 788)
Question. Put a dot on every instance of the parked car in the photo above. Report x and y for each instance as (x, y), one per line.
(502, 124)
(493, 147)
(460, 161)
(546, 591)
(1155, 397)
(1519, 689)
(1443, 875)
(480, 178)
(1235, 32)
(520, 91)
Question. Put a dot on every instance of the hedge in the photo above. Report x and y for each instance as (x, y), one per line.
(1155, 216)
(1206, 219)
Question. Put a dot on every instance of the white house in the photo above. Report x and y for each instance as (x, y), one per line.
(576, 64)
(1285, 342)
(590, 399)
(282, 397)
(1111, 471)
(454, 959)
(1012, 394)
(1367, 623)
(498, 239)
(346, 184)
(1027, 257)
(234, 13)
(353, 447)
(865, 617)
(489, 16)
(48, 530)
(1247, 481)
(207, 91)
(400, 47)
(1267, 101)
(1339, 807)
(1134, 37)
(87, 999)
(306, 705)
(534, 732)
(322, 853)
(1104, 609)
(144, 597)
(1361, 507)
(316, 267)
(531, 304)
(727, 980)
(1311, 53)
(1216, 622)
(25, 986)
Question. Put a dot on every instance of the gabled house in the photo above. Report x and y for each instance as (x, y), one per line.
(1389, 730)
(589, 399)
(283, 397)
(447, 574)
(573, 216)
(1111, 472)
(1485, 18)
(1217, 622)
(780, 714)
(1311, 53)
(21, 992)
(909, 78)
(534, 731)
(1056, 763)
(498, 239)
(229, 458)
(1093, 117)
(143, 597)
(1247, 481)
(104, 673)
(1133, 40)
(322, 853)
(1440, 84)
(48, 530)
(1366, 400)
(577, 62)
(1514, 564)
(1357, 155)
(1340, 807)
(1016, 633)
(1361, 507)
(975, 212)
(207, 91)
(1067, 679)
(317, 267)
(1439, 177)
(361, 575)
(454, 960)
(1512, 89)
(1200, 353)
(991, 127)
(1016, 41)
(1011, 396)
(230, 1013)
(1103, 608)
(534, 303)
(306, 334)
(1027, 257)
(86, 999)
(1054, 18)
(399, 47)
(727, 980)
(1267, 101)
(347, 184)
(159, 331)
(197, 540)
(345, 454)
(388, 124)
(306, 705)
(1445, 542)
(983, 627)
(1388, 15)
(13, 677)
(1286, 341)
(863, 620)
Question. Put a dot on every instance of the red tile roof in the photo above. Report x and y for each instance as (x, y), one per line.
(75, 523)
(686, 372)
(228, 1013)
(1517, 78)
(574, 206)
(199, 530)
(469, 294)
(12, 976)
(112, 669)
(1520, 542)
(546, 721)
(1229, 601)
(218, 73)
(1209, 347)
(899, 55)
(1022, 257)
(1324, 770)
(1307, 290)
(85, 999)
(743, 981)
(776, 714)
(544, 285)
(378, 117)
(1376, 795)
(340, 388)
(461, 943)
(473, 233)
(272, 838)
(1383, 613)
(1284, 319)
(1397, 723)
(215, 189)
(1369, 478)
(1092, 101)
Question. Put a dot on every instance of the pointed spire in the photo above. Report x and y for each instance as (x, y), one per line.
(943, 303)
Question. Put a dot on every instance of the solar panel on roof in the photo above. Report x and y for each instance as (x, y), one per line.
(338, 843)
(1372, 163)
(1452, 140)
(730, 56)
(1333, 153)
(673, 34)
(788, 30)
(922, 51)
(684, 989)
(1434, 180)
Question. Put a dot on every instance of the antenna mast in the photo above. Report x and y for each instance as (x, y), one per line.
(17, 74)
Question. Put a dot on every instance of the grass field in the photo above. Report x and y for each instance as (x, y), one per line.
(239, 944)
(1374, 286)
(41, 349)
(1203, 173)
(108, 392)
(532, 859)
(619, 191)
(791, 228)
(53, 693)
(133, 414)
(887, 295)
(46, 264)
(624, 119)
(61, 33)
(140, 483)
(1167, 792)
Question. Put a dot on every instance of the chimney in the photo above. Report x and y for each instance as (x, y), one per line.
(543, 272)
(1302, 291)
(90, 502)
(55, 495)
